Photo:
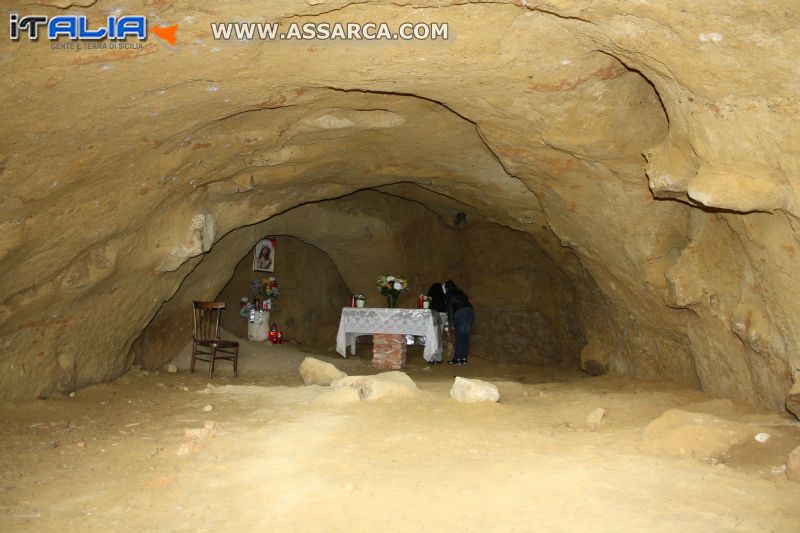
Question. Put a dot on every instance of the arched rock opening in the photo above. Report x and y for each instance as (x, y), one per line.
(534, 118)
(526, 304)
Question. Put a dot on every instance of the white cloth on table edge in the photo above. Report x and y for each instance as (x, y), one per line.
(357, 321)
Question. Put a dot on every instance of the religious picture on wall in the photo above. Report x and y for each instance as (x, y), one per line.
(264, 255)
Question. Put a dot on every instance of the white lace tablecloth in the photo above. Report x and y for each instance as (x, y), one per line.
(357, 321)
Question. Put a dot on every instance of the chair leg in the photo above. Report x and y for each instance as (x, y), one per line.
(236, 362)
(211, 363)
(194, 355)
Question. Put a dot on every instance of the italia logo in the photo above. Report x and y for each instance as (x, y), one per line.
(77, 28)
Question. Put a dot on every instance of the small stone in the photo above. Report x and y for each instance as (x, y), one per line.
(171, 368)
(595, 416)
(71, 394)
(80, 444)
(208, 408)
(184, 449)
(780, 469)
(473, 390)
(208, 430)
(762, 437)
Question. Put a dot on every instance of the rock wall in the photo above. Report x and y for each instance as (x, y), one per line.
(649, 149)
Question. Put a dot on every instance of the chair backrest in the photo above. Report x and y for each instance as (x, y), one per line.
(206, 320)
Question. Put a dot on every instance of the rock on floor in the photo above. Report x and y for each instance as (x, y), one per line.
(394, 383)
(595, 416)
(474, 390)
(700, 435)
(316, 372)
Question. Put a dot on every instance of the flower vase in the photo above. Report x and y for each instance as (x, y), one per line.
(391, 300)
(360, 303)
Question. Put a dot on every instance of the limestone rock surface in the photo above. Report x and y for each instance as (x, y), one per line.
(793, 400)
(341, 396)
(473, 390)
(698, 435)
(316, 372)
(595, 417)
(793, 465)
(392, 384)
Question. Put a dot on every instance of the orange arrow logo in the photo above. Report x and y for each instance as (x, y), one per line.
(167, 33)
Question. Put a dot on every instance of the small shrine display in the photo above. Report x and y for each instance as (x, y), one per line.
(257, 312)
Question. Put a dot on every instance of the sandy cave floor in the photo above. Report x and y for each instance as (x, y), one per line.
(142, 454)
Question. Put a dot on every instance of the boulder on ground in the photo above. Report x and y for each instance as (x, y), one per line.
(474, 390)
(793, 465)
(699, 435)
(316, 372)
(595, 416)
(386, 384)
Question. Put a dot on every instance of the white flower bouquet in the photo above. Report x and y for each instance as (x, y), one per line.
(390, 285)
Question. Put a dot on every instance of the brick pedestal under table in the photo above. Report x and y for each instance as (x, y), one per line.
(389, 328)
(388, 351)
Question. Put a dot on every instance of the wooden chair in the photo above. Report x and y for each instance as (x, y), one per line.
(205, 334)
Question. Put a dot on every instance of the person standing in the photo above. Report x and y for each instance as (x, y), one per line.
(461, 315)
(438, 305)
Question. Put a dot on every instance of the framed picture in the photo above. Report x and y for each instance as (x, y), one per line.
(264, 255)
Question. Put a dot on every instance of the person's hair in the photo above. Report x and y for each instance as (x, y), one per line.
(436, 288)
(449, 285)
(261, 253)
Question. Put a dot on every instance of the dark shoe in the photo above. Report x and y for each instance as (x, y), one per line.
(454, 362)
(462, 361)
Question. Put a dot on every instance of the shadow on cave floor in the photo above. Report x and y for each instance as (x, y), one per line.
(174, 451)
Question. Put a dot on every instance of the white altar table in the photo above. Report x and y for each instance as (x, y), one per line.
(357, 321)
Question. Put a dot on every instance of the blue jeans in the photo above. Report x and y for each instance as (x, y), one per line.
(462, 323)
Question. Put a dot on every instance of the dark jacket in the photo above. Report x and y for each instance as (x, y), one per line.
(455, 299)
